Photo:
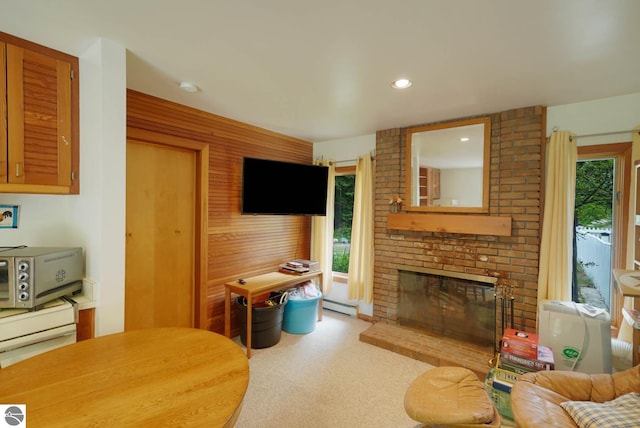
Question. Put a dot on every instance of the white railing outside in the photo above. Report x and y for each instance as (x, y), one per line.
(594, 251)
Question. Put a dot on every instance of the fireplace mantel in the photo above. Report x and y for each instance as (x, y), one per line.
(447, 223)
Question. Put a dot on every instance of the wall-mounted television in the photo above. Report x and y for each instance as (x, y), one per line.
(283, 188)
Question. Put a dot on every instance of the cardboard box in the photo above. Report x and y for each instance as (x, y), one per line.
(543, 361)
(520, 343)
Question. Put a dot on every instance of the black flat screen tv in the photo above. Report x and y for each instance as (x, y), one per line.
(283, 188)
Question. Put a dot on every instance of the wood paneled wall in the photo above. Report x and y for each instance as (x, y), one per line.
(239, 245)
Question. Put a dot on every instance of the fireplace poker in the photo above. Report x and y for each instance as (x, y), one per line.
(511, 314)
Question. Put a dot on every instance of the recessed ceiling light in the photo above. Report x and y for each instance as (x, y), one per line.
(464, 139)
(189, 87)
(401, 83)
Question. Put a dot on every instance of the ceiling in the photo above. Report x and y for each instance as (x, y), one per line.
(321, 70)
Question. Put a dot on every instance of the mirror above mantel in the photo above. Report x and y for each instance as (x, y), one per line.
(448, 166)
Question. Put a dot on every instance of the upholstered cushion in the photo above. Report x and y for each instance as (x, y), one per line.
(537, 397)
(447, 396)
(622, 412)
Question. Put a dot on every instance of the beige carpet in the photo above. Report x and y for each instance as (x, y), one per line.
(328, 378)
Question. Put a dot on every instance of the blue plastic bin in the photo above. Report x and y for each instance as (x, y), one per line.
(300, 316)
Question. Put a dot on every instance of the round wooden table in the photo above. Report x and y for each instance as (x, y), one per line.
(150, 377)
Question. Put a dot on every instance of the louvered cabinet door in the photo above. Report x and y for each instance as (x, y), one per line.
(39, 132)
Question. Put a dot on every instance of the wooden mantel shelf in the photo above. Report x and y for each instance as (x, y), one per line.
(446, 223)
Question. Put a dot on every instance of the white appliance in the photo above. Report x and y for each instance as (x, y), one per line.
(578, 334)
(24, 334)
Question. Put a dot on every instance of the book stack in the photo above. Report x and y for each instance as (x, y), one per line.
(311, 264)
(520, 353)
(294, 267)
(300, 267)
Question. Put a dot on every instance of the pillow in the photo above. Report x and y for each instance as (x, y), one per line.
(623, 412)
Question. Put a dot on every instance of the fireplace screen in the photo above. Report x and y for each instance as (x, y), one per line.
(459, 309)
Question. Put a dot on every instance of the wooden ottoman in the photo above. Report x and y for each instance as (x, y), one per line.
(450, 396)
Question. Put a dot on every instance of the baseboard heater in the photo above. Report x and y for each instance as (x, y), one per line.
(341, 307)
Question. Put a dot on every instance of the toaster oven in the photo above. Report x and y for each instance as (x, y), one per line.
(32, 276)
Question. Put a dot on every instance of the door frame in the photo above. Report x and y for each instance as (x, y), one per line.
(621, 152)
(201, 151)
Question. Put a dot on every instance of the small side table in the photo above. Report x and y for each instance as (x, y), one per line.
(258, 285)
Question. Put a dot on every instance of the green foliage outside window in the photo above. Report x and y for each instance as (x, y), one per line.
(341, 261)
(594, 192)
(343, 216)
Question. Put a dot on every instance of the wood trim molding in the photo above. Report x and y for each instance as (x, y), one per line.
(445, 223)
(154, 137)
(201, 221)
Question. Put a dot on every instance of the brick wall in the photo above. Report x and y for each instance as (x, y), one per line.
(517, 138)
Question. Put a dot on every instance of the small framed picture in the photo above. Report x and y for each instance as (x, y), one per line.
(9, 216)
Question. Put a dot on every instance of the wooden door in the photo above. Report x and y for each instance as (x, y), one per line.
(160, 246)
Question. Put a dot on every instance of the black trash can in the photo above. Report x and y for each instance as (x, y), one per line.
(266, 320)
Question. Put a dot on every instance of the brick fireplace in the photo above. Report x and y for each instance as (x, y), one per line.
(517, 143)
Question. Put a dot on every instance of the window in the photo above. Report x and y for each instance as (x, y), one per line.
(343, 215)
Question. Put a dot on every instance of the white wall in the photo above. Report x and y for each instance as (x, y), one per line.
(594, 117)
(346, 149)
(103, 171)
(95, 218)
(454, 186)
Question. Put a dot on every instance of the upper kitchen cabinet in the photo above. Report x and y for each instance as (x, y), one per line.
(39, 133)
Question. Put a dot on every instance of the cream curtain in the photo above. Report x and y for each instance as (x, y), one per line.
(322, 231)
(361, 254)
(556, 248)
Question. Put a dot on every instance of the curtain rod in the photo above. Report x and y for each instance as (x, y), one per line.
(343, 161)
(372, 153)
(348, 160)
(602, 134)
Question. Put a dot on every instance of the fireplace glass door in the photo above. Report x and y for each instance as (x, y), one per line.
(459, 309)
